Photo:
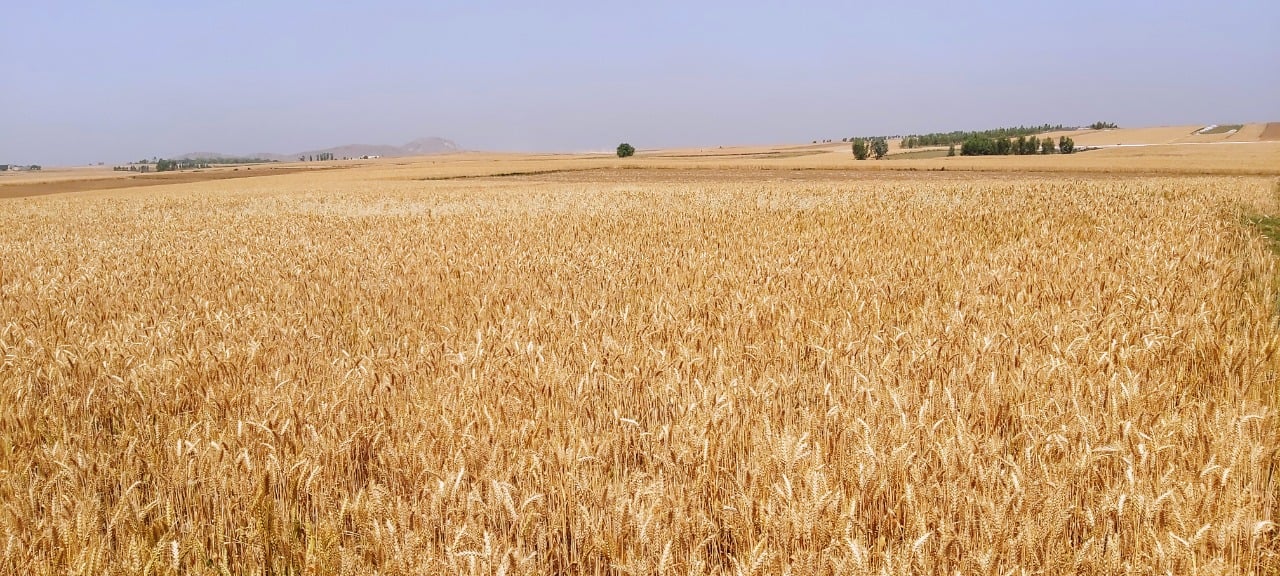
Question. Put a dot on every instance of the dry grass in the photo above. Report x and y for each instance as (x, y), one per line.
(1144, 135)
(361, 372)
(1236, 159)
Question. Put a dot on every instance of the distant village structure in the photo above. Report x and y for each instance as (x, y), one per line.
(19, 168)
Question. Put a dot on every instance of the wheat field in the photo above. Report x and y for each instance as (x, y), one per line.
(641, 372)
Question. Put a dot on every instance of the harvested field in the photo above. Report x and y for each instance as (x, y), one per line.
(1146, 135)
(919, 154)
(688, 175)
(746, 155)
(1221, 129)
(661, 369)
(1271, 132)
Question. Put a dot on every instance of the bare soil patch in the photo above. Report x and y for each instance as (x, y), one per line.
(24, 189)
(1271, 132)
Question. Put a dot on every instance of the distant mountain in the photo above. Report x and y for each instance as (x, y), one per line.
(432, 145)
(419, 147)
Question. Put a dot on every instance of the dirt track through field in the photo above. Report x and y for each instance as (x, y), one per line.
(25, 189)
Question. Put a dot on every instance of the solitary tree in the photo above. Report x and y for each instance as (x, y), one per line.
(860, 150)
(879, 147)
(625, 150)
(1066, 145)
(951, 151)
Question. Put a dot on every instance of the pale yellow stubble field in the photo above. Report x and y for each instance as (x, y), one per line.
(702, 370)
(1256, 158)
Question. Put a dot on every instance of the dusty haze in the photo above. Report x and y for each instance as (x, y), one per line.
(86, 83)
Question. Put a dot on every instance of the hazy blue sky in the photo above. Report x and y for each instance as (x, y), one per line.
(96, 81)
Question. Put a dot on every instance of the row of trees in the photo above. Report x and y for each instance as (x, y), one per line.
(959, 136)
(163, 165)
(227, 160)
(168, 165)
(984, 146)
(863, 147)
(321, 157)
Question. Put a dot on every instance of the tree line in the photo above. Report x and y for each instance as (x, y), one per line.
(985, 146)
(864, 148)
(168, 165)
(959, 136)
(227, 160)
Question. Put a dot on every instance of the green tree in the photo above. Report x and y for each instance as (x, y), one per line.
(1046, 146)
(978, 146)
(879, 147)
(951, 151)
(860, 149)
(1066, 145)
(625, 150)
(958, 137)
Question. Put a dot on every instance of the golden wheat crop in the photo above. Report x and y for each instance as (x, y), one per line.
(319, 374)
